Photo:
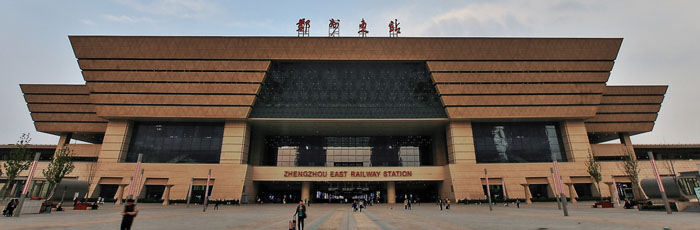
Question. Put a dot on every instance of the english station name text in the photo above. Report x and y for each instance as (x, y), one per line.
(346, 174)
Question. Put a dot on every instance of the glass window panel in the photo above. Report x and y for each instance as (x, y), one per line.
(176, 142)
(517, 142)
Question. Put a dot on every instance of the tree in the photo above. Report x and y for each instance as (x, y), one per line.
(593, 168)
(18, 161)
(92, 171)
(630, 166)
(61, 165)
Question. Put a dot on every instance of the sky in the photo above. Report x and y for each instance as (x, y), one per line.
(660, 43)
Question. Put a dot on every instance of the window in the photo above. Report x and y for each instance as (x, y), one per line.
(348, 89)
(176, 142)
(517, 142)
(348, 151)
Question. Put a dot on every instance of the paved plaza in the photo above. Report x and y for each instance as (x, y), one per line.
(336, 216)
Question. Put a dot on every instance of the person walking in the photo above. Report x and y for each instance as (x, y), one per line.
(300, 213)
(409, 204)
(517, 203)
(130, 211)
(10, 208)
(216, 204)
(440, 202)
(405, 204)
(448, 203)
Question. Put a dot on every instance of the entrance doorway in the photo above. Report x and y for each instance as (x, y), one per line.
(278, 192)
(417, 191)
(347, 191)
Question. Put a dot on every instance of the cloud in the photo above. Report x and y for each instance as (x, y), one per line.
(87, 22)
(127, 19)
(175, 8)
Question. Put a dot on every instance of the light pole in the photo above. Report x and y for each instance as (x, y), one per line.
(658, 181)
(26, 184)
(488, 190)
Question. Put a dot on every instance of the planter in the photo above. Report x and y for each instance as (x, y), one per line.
(603, 205)
(80, 207)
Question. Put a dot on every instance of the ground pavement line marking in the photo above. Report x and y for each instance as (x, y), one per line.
(375, 220)
(334, 221)
(363, 222)
(321, 220)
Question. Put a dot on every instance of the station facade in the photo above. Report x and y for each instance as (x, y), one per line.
(328, 119)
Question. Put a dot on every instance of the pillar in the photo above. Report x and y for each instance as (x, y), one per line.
(572, 192)
(528, 196)
(120, 194)
(305, 190)
(391, 192)
(166, 195)
(613, 198)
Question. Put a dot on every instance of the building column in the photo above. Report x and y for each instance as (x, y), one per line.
(166, 195)
(612, 189)
(528, 196)
(391, 192)
(572, 192)
(305, 190)
(120, 194)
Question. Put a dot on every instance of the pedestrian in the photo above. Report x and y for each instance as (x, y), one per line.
(517, 203)
(409, 205)
(216, 205)
(10, 208)
(128, 214)
(448, 203)
(354, 206)
(405, 204)
(300, 213)
(440, 202)
(361, 205)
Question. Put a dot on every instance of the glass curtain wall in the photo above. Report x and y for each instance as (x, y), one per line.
(517, 142)
(176, 142)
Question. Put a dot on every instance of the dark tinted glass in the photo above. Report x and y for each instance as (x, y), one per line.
(176, 142)
(348, 151)
(517, 142)
(348, 90)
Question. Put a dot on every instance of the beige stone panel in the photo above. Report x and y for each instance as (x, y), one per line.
(608, 149)
(53, 89)
(115, 146)
(77, 127)
(632, 99)
(172, 65)
(168, 99)
(217, 112)
(92, 76)
(228, 185)
(233, 88)
(75, 117)
(520, 77)
(67, 108)
(465, 100)
(620, 127)
(42, 98)
(636, 90)
(234, 145)
(322, 48)
(85, 150)
(648, 117)
(519, 88)
(520, 66)
(628, 108)
(520, 112)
